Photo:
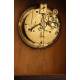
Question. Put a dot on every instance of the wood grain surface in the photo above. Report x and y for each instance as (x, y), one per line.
(47, 61)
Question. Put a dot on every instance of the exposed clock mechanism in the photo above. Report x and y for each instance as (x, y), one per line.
(39, 27)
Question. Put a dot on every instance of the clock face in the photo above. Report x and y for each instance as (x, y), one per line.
(41, 26)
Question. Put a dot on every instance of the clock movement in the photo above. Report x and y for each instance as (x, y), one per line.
(39, 27)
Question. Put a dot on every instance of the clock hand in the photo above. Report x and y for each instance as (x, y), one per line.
(42, 21)
(34, 27)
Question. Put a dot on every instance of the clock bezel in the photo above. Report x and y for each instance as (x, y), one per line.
(24, 37)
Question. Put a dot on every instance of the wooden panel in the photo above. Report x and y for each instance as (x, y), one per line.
(51, 60)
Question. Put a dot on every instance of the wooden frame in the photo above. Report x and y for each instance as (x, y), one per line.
(54, 77)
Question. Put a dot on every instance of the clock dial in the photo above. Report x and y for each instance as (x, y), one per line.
(41, 26)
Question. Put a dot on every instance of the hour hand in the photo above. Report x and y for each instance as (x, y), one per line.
(33, 27)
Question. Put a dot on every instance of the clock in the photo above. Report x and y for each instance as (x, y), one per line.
(39, 27)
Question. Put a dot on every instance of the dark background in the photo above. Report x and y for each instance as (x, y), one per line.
(47, 61)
